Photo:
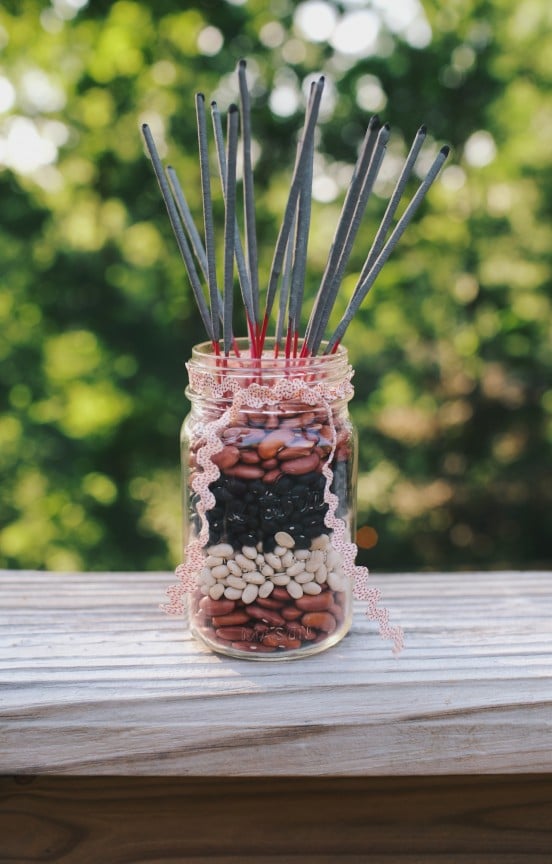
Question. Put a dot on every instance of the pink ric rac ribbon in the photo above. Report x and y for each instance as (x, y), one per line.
(259, 396)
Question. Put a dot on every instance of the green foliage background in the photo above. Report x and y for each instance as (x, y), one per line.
(452, 349)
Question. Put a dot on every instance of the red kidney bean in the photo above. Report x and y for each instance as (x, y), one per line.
(280, 593)
(272, 476)
(269, 616)
(231, 634)
(269, 464)
(269, 602)
(290, 613)
(231, 619)
(274, 441)
(320, 621)
(315, 602)
(250, 457)
(216, 607)
(293, 453)
(226, 457)
(232, 433)
(245, 472)
(281, 640)
(302, 465)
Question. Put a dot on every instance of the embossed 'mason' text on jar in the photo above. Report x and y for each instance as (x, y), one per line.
(269, 472)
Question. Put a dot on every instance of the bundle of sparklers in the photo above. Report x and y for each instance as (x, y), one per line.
(287, 273)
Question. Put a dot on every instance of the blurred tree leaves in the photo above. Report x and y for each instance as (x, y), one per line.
(452, 351)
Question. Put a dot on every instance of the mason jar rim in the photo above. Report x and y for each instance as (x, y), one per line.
(205, 359)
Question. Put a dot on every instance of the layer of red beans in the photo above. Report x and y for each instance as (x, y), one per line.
(275, 623)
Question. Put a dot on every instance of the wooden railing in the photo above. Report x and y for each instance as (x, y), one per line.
(112, 714)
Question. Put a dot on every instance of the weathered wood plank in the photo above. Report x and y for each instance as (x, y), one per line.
(428, 820)
(94, 679)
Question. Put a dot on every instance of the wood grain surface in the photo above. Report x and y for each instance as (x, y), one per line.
(138, 820)
(94, 679)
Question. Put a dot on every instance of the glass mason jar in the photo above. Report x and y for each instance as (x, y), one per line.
(269, 502)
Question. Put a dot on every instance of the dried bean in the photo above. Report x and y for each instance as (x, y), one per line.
(284, 539)
(294, 589)
(249, 457)
(320, 621)
(227, 457)
(266, 589)
(273, 442)
(269, 464)
(253, 577)
(250, 593)
(281, 640)
(269, 616)
(294, 453)
(270, 603)
(232, 593)
(214, 561)
(216, 607)
(220, 572)
(245, 563)
(216, 591)
(230, 634)
(245, 472)
(316, 603)
(231, 619)
(280, 594)
(303, 465)
(236, 582)
(291, 613)
(312, 588)
(221, 550)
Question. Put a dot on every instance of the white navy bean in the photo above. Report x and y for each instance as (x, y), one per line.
(288, 559)
(294, 590)
(304, 577)
(245, 563)
(234, 568)
(280, 550)
(220, 572)
(302, 554)
(321, 575)
(250, 593)
(267, 570)
(206, 578)
(294, 569)
(312, 588)
(273, 561)
(280, 579)
(249, 552)
(214, 561)
(216, 591)
(259, 560)
(284, 539)
(236, 582)
(221, 550)
(266, 589)
(232, 593)
(254, 577)
(315, 560)
(204, 589)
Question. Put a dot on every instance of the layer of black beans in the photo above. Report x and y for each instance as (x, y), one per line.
(247, 512)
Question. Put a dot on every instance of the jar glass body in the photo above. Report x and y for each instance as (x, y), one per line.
(273, 522)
